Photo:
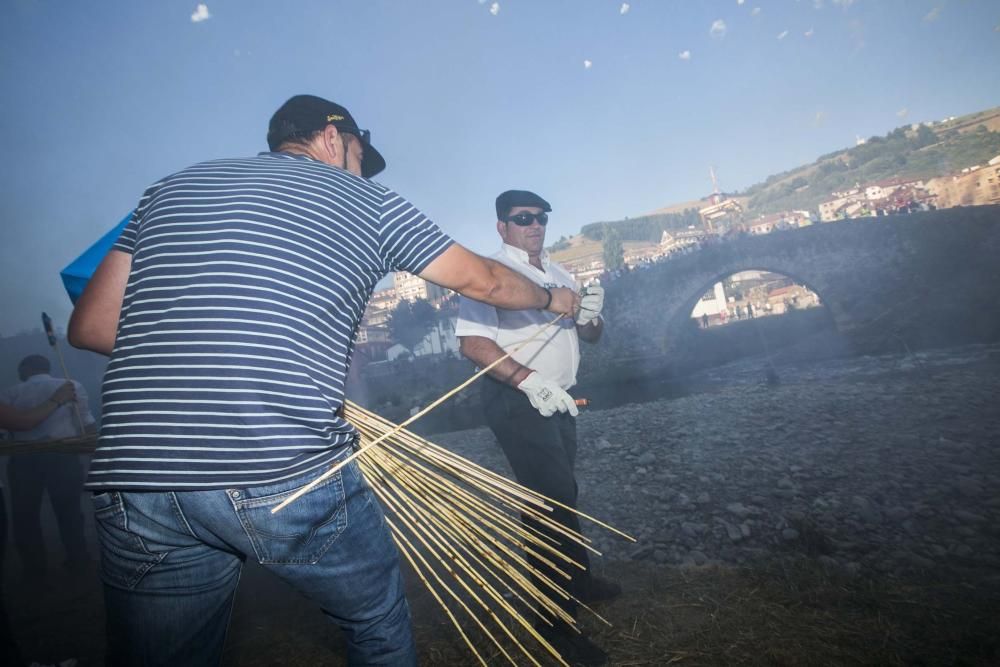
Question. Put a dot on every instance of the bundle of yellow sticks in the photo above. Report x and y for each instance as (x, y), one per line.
(459, 526)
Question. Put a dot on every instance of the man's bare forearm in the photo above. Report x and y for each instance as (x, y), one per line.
(510, 288)
(483, 352)
(491, 282)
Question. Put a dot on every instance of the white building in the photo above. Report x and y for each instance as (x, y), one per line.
(411, 287)
(712, 303)
(439, 340)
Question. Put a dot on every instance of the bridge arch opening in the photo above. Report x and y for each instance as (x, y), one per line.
(755, 313)
(751, 294)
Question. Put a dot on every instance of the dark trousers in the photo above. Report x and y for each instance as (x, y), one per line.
(9, 654)
(30, 475)
(542, 453)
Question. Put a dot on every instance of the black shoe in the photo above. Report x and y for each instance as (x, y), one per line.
(575, 649)
(599, 590)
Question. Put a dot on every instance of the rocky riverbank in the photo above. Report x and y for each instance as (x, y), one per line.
(879, 465)
(849, 514)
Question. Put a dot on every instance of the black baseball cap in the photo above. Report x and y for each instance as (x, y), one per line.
(308, 113)
(511, 198)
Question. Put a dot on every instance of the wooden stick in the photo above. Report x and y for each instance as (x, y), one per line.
(54, 342)
(543, 518)
(322, 478)
(353, 409)
(451, 523)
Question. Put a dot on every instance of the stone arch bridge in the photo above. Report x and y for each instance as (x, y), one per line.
(933, 277)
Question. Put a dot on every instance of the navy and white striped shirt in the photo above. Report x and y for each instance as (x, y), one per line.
(249, 278)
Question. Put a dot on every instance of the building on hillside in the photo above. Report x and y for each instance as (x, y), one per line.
(883, 189)
(411, 287)
(385, 299)
(976, 187)
(834, 209)
(791, 297)
(722, 214)
(851, 192)
(439, 340)
(372, 334)
(372, 342)
(586, 271)
(766, 224)
(635, 255)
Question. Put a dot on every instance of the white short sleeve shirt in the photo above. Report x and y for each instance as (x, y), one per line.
(62, 422)
(555, 354)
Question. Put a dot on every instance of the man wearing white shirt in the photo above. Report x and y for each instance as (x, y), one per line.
(30, 475)
(526, 397)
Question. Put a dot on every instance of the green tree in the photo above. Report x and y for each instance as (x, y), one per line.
(925, 137)
(410, 321)
(614, 252)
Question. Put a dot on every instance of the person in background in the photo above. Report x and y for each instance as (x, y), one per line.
(526, 401)
(30, 476)
(15, 419)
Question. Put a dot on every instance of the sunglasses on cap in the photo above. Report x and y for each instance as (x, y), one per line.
(524, 219)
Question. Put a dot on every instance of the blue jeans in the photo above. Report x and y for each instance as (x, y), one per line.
(171, 560)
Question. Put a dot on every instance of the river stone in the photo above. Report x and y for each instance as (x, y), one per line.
(693, 529)
(897, 513)
(739, 509)
(866, 510)
(963, 550)
(734, 533)
(828, 562)
(969, 487)
(603, 444)
(968, 517)
(921, 561)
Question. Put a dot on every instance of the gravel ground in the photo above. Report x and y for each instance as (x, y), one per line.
(849, 514)
(887, 464)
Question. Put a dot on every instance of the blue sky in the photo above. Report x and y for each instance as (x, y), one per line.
(101, 99)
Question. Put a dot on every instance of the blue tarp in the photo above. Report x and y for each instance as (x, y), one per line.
(78, 273)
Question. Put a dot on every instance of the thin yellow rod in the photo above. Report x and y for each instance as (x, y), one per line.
(319, 480)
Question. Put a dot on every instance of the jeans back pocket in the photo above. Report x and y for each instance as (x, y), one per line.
(124, 556)
(301, 532)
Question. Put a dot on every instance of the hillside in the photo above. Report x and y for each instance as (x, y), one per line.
(922, 152)
(919, 150)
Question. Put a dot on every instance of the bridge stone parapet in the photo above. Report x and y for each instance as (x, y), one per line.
(930, 278)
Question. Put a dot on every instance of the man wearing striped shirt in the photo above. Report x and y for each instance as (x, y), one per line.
(229, 307)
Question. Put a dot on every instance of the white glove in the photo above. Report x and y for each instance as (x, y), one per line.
(591, 303)
(546, 396)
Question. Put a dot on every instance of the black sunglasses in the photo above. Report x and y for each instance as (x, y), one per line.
(525, 219)
(364, 135)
